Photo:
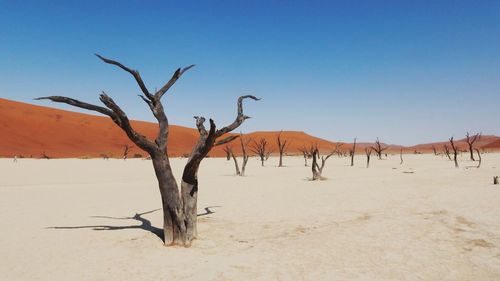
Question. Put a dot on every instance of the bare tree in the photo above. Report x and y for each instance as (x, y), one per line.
(401, 156)
(179, 206)
(126, 150)
(244, 145)
(229, 151)
(495, 180)
(317, 170)
(434, 150)
(447, 151)
(261, 149)
(352, 152)
(378, 148)
(479, 158)
(470, 141)
(282, 147)
(368, 151)
(455, 152)
(45, 156)
(306, 153)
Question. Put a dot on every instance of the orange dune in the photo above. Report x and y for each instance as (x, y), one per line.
(30, 130)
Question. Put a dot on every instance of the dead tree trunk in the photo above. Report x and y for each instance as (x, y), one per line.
(368, 151)
(244, 145)
(434, 150)
(401, 156)
(352, 152)
(179, 206)
(470, 142)
(455, 152)
(479, 158)
(317, 170)
(260, 149)
(495, 180)
(282, 147)
(306, 154)
(126, 150)
(229, 151)
(378, 148)
(447, 151)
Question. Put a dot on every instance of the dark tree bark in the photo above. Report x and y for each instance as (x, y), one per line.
(479, 158)
(282, 147)
(368, 151)
(229, 151)
(447, 151)
(378, 148)
(352, 152)
(179, 206)
(470, 142)
(244, 145)
(261, 149)
(495, 180)
(401, 156)
(317, 170)
(455, 152)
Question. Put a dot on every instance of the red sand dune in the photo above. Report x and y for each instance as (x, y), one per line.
(29, 130)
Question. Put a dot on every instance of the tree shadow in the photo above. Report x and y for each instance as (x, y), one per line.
(145, 223)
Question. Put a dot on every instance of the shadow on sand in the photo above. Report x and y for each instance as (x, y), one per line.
(145, 223)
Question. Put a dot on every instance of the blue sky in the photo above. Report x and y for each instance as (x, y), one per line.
(405, 71)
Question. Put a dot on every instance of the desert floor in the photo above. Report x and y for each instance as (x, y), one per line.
(424, 220)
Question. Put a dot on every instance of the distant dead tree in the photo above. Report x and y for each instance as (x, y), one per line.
(479, 158)
(455, 152)
(229, 151)
(495, 180)
(470, 141)
(401, 156)
(352, 152)
(179, 205)
(126, 150)
(45, 156)
(378, 148)
(282, 147)
(261, 149)
(317, 170)
(434, 150)
(447, 151)
(306, 153)
(244, 145)
(368, 151)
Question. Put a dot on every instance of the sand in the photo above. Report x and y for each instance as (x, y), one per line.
(423, 220)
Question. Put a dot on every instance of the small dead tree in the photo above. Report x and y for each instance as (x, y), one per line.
(261, 149)
(447, 151)
(282, 147)
(368, 151)
(455, 152)
(229, 151)
(317, 170)
(352, 152)
(126, 150)
(495, 180)
(45, 156)
(434, 150)
(401, 156)
(470, 142)
(306, 153)
(479, 158)
(244, 145)
(379, 148)
(179, 205)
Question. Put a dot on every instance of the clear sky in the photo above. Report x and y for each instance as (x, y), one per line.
(405, 71)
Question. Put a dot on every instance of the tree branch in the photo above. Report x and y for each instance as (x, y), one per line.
(177, 74)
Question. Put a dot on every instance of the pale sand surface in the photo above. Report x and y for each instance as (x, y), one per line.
(438, 223)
